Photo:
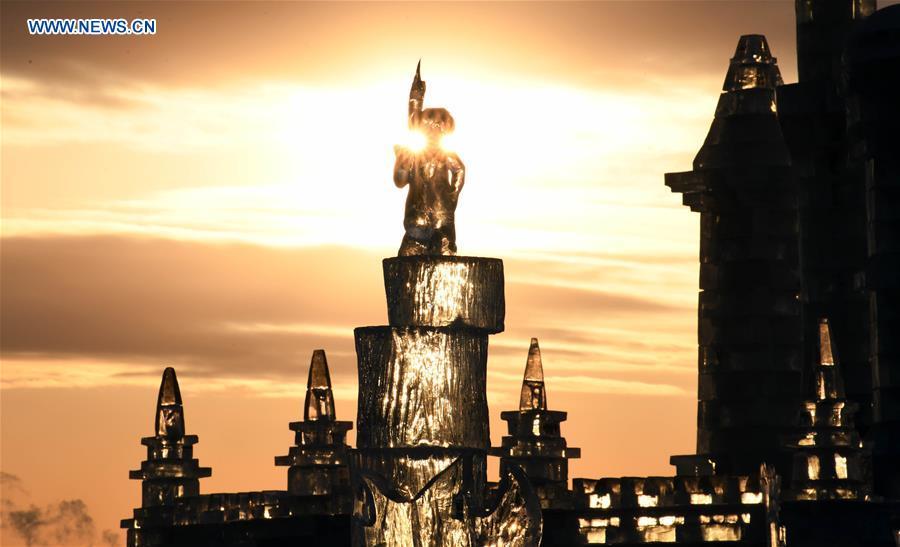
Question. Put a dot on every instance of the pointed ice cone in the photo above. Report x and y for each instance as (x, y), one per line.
(534, 368)
(829, 383)
(169, 410)
(319, 398)
(826, 355)
(534, 396)
(752, 65)
(752, 48)
(319, 378)
(746, 132)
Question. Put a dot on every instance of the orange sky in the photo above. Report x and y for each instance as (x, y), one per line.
(218, 198)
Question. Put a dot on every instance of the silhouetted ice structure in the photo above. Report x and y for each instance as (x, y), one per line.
(798, 190)
(750, 332)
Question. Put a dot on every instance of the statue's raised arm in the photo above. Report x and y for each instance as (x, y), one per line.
(435, 178)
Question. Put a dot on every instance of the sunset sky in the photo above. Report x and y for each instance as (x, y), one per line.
(218, 198)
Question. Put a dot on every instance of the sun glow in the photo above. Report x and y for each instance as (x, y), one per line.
(536, 149)
(415, 141)
(449, 142)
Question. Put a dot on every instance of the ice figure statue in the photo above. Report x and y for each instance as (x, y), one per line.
(435, 177)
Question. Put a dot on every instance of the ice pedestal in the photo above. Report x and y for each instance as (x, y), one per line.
(419, 470)
(458, 291)
(422, 386)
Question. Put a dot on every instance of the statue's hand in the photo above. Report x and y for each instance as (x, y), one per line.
(417, 91)
(403, 154)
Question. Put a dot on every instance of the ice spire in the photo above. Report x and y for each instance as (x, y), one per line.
(752, 65)
(169, 410)
(827, 378)
(534, 441)
(170, 471)
(828, 457)
(534, 395)
(317, 462)
(319, 398)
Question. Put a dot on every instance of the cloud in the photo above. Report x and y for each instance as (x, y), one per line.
(132, 299)
(582, 300)
(196, 42)
(66, 522)
(245, 315)
(600, 386)
(301, 165)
